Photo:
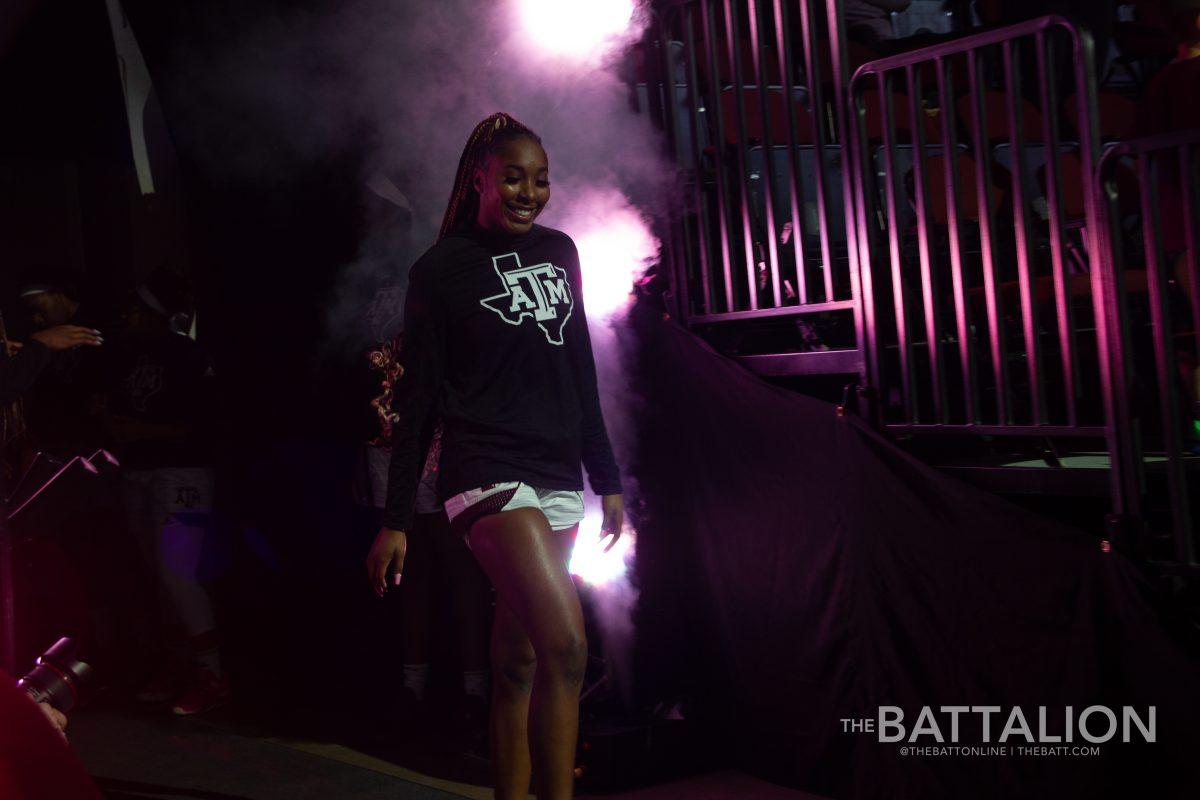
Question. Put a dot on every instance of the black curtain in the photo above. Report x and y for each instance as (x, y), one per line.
(797, 569)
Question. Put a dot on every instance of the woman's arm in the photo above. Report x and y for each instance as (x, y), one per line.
(603, 473)
(421, 356)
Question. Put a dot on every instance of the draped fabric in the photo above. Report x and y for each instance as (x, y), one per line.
(797, 569)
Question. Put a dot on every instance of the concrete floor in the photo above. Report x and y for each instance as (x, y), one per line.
(138, 754)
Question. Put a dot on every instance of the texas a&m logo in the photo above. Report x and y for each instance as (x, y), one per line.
(540, 292)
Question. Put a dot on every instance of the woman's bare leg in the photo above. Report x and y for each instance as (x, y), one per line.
(513, 664)
(526, 562)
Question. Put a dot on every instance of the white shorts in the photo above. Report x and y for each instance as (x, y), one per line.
(563, 507)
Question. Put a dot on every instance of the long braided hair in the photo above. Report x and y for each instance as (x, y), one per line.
(461, 212)
(487, 136)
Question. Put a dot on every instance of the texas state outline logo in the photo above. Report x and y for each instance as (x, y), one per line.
(540, 292)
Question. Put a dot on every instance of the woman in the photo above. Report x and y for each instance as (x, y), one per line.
(497, 348)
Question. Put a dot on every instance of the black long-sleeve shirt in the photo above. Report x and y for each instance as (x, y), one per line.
(18, 372)
(496, 345)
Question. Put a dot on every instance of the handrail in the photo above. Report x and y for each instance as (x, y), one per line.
(729, 81)
(882, 75)
(1148, 154)
(757, 122)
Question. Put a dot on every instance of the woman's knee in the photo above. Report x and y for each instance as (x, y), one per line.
(515, 668)
(564, 657)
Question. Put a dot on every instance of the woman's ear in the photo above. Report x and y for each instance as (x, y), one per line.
(477, 182)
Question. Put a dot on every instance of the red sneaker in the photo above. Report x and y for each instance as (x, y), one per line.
(207, 693)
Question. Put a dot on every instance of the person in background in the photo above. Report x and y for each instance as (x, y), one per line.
(159, 412)
(20, 365)
(870, 21)
(1161, 110)
(60, 410)
(22, 362)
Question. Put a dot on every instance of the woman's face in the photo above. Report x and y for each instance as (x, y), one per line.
(513, 186)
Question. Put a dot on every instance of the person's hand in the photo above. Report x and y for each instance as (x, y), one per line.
(613, 506)
(56, 717)
(385, 562)
(64, 337)
(11, 347)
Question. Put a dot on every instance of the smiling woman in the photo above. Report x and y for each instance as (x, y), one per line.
(497, 351)
(513, 185)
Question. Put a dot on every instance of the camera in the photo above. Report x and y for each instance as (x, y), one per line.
(58, 676)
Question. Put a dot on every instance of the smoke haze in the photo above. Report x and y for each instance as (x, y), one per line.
(402, 84)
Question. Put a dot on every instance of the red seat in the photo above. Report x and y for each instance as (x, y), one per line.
(995, 117)
(1133, 281)
(777, 109)
(1171, 101)
(902, 120)
(1116, 114)
(935, 181)
(745, 53)
(1075, 184)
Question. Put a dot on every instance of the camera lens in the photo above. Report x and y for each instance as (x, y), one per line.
(58, 675)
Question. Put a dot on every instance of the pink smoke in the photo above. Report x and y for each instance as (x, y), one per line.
(615, 247)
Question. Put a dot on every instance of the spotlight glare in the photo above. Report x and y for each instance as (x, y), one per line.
(588, 559)
(615, 247)
(576, 28)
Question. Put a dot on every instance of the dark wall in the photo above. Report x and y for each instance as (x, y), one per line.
(264, 251)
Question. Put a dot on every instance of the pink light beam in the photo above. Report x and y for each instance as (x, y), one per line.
(615, 247)
(577, 29)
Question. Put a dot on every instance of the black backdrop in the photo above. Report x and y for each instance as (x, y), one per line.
(797, 569)
(794, 568)
(265, 251)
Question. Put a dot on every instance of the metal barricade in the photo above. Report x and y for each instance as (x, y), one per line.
(972, 272)
(1149, 191)
(953, 202)
(749, 94)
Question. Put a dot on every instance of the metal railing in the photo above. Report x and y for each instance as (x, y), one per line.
(953, 201)
(1152, 249)
(969, 300)
(749, 93)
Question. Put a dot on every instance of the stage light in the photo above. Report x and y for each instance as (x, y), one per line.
(615, 247)
(579, 29)
(588, 559)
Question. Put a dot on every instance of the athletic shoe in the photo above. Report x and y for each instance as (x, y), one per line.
(207, 693)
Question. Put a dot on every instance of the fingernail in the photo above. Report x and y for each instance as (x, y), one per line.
(396, 579)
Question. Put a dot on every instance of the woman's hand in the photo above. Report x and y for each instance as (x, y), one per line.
(385, 562)
(613, 506)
